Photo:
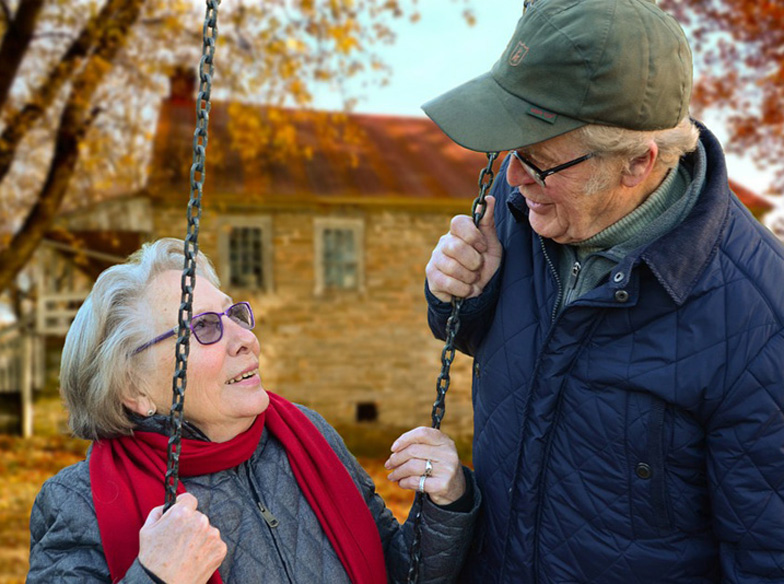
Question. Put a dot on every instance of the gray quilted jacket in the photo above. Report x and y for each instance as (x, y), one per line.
(65, 543)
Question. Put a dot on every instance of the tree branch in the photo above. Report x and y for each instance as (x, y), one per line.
(6, 11)
(18, 34)
(75, 120)
(19, 123)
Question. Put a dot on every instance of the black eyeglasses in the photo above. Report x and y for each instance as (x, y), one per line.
(207, 327)
(539, 175)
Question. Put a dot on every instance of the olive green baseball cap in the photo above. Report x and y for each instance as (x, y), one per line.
(623, 63)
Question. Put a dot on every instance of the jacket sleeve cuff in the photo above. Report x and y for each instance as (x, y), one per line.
(435, 304)
(475, 315)
(471, 306)
(465, 508)
(138, 574)
(465, 503)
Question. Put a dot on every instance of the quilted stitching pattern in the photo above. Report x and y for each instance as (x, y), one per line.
(565, 412)
(65, 541)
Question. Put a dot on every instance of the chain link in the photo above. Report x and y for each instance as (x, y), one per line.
(191, 250)
(447, 356)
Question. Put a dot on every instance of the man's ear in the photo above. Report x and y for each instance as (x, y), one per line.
(640, 168)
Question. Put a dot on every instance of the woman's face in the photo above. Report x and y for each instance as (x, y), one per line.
(224, 393)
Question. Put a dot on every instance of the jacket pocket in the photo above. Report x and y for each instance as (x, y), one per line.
(650, 505)
(658, 479)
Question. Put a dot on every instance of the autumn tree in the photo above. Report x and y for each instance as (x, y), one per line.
(79, 81)
(739, 64)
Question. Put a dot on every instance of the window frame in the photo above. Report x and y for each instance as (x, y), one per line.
(322, 224)
(225, 225)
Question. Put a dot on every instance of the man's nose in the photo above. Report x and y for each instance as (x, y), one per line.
(516, 175)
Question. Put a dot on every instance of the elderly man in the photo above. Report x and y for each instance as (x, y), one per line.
(624, 311)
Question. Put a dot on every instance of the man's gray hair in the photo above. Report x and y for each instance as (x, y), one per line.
(619, 146)
(98, 368)
(610, 141)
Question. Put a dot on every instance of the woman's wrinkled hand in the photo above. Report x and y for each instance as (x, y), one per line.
(180, 546)
(408, 463)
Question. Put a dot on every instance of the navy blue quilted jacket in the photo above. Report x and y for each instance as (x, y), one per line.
(637, 436)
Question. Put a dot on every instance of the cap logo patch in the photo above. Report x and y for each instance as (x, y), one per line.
(537, 112)
(518, 54)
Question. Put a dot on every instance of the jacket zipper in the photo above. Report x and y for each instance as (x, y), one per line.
(269, 518)
(559, 297)
(527, 408)
(573, 281)
(575, 273)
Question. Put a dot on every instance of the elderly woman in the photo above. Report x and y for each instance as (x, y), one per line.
(269, 492)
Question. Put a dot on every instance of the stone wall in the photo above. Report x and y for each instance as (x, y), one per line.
(338, 350)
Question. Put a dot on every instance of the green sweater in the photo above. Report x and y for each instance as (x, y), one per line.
(583, 266)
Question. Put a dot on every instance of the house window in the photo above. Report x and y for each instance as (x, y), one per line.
(367, 412)
(244, 248)
(340, 259)
(246, 268)
(339, 254)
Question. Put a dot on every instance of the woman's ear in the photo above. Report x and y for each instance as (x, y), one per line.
(140, 404)
(640, 168)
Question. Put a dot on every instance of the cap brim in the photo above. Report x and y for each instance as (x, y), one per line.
(480, 115)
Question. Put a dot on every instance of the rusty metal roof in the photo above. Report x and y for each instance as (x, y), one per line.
(356, 158)
(755, 203)
(343, 157)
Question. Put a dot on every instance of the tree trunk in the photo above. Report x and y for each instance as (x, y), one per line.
(20, 122)
(15, 42)
(74, 123)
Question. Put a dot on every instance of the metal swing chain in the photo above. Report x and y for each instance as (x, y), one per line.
(447, 356)
(197, 174)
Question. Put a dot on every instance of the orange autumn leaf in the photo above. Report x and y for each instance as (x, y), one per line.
(739, 71)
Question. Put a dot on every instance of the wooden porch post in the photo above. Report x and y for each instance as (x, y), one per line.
(27, 384)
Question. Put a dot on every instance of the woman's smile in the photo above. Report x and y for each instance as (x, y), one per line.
(247, 377)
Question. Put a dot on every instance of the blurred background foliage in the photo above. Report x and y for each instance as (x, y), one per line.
(80, 82)
(737, 47)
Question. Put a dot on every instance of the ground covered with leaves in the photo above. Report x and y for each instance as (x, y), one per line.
(26, 464)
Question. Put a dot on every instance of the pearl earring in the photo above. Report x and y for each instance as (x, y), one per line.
(151, 411)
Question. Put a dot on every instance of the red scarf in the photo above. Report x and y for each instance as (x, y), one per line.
(127, 474)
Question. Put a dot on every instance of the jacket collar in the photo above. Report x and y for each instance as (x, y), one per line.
(679, 258)
(159, 423)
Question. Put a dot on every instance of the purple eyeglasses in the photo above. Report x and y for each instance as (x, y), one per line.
(207, 327)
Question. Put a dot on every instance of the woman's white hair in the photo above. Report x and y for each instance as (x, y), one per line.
(618, 147)
(98, 368)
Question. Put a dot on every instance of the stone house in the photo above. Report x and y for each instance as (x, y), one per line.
(328, 243)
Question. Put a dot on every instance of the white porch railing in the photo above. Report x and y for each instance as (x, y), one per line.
(56, 311)
(21, 369)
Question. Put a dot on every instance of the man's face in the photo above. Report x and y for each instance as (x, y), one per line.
(564, 210)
